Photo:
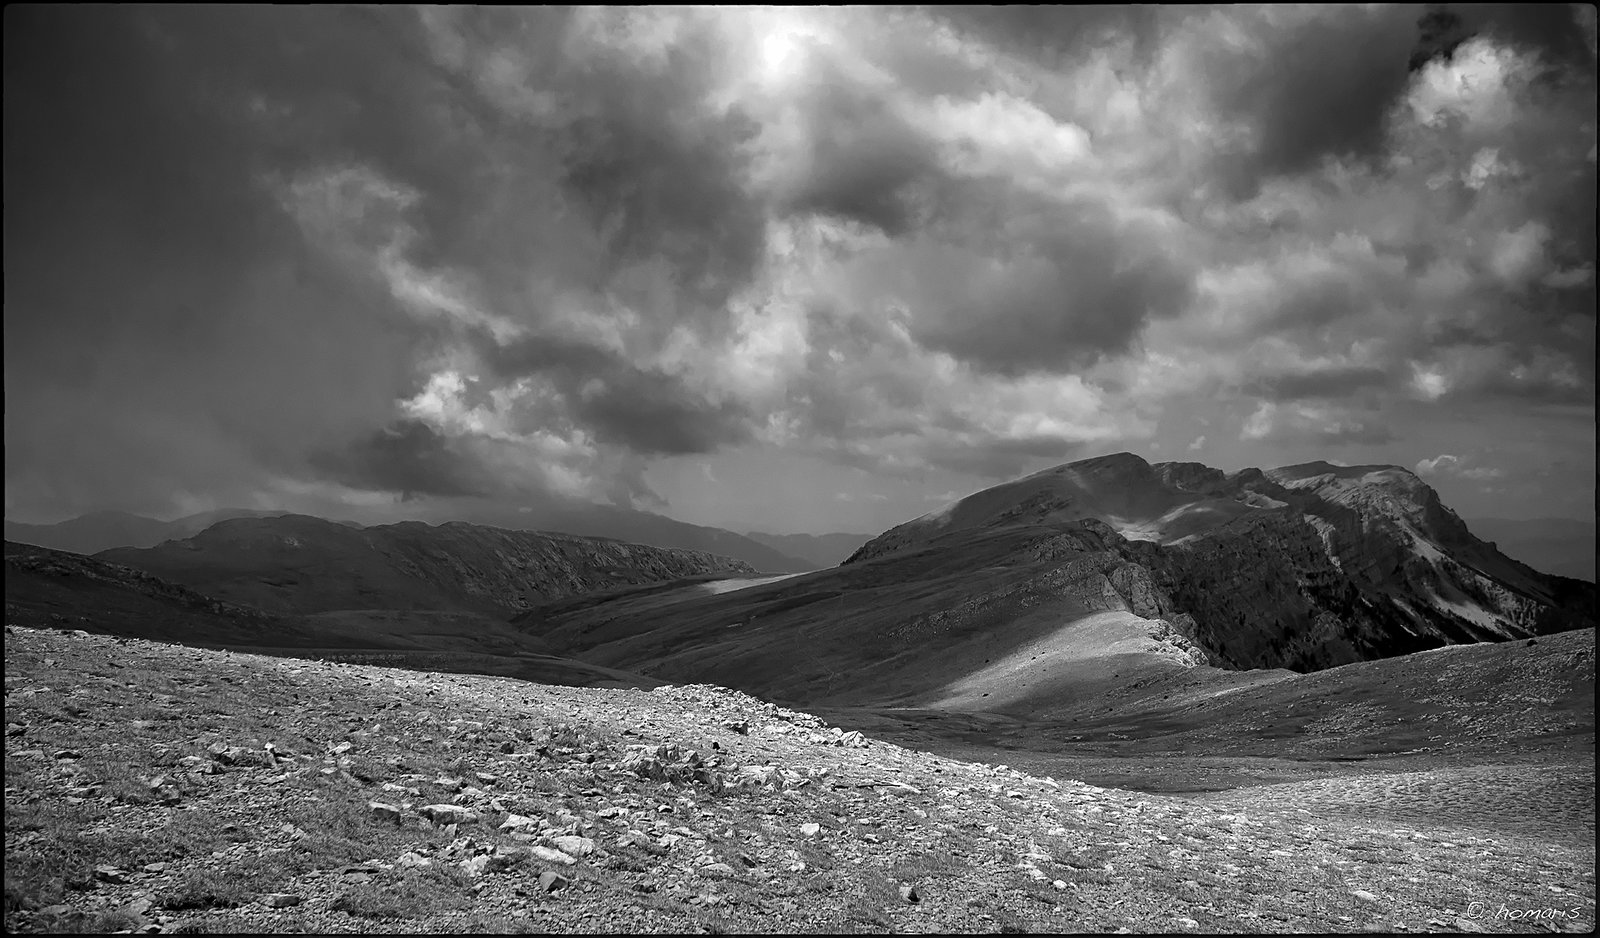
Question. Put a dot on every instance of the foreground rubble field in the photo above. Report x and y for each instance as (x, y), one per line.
(155, 787)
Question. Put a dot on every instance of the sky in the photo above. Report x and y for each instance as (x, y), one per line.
(795, 270)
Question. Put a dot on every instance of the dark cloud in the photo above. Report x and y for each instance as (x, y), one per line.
(1360, 434)
(1322, 87)
(1004, 459)
(154, 267)
(652, 413)
(1054, 33)
(491, 254)
(660, 172)
(645, 411)
(544, 353)
(1322, 383)
(1072, 285)
(1441, 32)
(1325, 86)
(864, 162)
(161, 311)
(1551, 29)
(409, 458)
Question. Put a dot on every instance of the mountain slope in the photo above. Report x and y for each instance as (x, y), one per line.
(297, 563)
(916, 628)
(1303, 567)
(50, 588)
(636, 527)
(58, 589)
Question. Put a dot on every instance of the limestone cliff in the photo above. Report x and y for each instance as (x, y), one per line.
(1304, 567)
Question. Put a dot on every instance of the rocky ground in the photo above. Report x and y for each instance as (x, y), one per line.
(155, 787)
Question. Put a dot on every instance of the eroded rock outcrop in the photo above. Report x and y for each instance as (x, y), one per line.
(1304, 567)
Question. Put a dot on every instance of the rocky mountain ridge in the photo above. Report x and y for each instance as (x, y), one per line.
(1304, 566)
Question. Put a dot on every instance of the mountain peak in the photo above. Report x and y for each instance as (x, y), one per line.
(1114, 461)
(1320, 467)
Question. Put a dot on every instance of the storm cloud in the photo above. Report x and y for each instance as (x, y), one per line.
(274, 256)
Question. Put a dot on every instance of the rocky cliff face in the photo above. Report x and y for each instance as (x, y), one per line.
(301, 564)
(1305, 567)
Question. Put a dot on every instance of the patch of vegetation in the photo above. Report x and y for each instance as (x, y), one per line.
(78, 922)
(59, 858)
(340, 830)
(414, 894)
(218, 925)
(936, 863)
(205, 888)
(489, 923)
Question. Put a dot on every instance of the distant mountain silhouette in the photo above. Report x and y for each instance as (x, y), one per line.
(821, 550)
(301, 564)
(105, 530)
(638, 527)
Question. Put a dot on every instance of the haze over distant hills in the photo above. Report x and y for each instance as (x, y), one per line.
(1102, 579)
(104, 530)
(822, 550)
(300, 564)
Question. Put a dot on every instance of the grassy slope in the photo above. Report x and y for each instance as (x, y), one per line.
(1050, 682)
(866, 633)
(46, 588)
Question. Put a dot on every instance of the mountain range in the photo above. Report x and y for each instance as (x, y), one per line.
(301, 564)
(820, 550)
(1107, 582)
(104, 530)
(1304, 566)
